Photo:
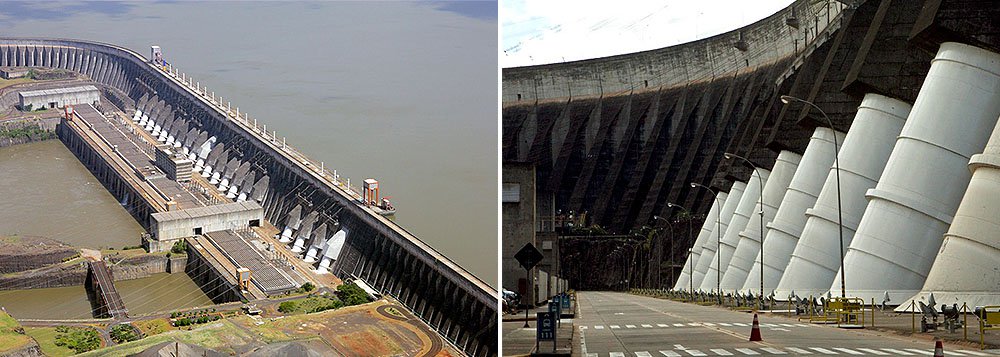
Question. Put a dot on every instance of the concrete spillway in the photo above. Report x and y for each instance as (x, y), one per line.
(744, 211)
(712, 244)
(967, 267)
(815, 257)
(749, 245)
(704, 236)
(926, 175)
(784, 230)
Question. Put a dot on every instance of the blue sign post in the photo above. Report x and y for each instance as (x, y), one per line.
(556, 309)
(545, 329)
(564, 299)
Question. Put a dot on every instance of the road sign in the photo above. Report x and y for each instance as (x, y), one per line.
(565, 301)
(528, 256)
(545, 326)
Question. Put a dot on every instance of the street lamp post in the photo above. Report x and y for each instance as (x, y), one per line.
(688, 213)
(760, 179)
(836, 164)
(718, 222)
(659, 252)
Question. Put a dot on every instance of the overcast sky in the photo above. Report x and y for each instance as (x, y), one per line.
(547, 31)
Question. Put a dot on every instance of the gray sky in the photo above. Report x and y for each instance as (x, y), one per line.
(547, 31)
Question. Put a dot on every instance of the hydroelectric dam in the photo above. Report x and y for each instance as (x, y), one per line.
(871, 128)
(191, 168)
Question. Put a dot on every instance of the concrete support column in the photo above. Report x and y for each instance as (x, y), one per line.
(711, 221)
(965, 269)
(926, 175)
(749, 243)
(815, 257)
(744, 210)
(784, 230)
(711, 244)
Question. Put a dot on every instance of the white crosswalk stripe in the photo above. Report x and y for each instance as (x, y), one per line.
(642, 354)
(647, 326)
(695, 324)
(954, 353)
(708, 324)
(802, 325)
(848, 351)
(799, 350)
(720, 352)
(679, 325)
(740, 324)
(975, 353)
(873, 351)
(920, 351)
(629, 326)
(662, 325)
(617, 354)
(747, 351)
(615, 326)
(670, 353)
(599, 327)
(724, 324)
(592, 355)
(788, 325)
(695, 353)
(898, 352)
(822, 350)
(773, 350)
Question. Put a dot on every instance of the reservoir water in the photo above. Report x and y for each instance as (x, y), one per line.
(405, 92)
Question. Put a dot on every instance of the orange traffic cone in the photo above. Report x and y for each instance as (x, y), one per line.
(755, 331)
(938, 349)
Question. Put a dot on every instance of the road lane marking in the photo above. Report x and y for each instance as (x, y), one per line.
(724, 324)
(803, 325)
(822, 350)
(617, 354)
(615, 326)
(747, 351)
(643, 354)
(848, 351)
(787, 325)
(774, 351)
(679, 325)
(629, 326)
(583, 327)
(778, 329)
(695, 353)
(708, 324)
(599, 327)
(873, 351)
(919, 351)
(740, 324)
(647, 326)
(799, 350)
(954, 353)
(670, 353)
(720, 352)
(975, 353)
(662, 325)
(893, 350)
(694, 324)
(591, 355)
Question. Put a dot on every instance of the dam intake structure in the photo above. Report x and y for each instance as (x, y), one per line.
(186, 165)
(889, 103)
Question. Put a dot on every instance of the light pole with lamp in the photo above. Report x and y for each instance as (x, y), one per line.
(836, 165)
(760, 179)
(659, 252)
(718, 243)
(688, 213)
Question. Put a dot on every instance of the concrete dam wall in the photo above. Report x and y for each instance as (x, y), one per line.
(893, 198)
(461, 307)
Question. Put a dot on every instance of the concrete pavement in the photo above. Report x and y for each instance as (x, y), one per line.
(611, 324)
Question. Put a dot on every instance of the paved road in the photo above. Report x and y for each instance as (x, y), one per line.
(622, 325)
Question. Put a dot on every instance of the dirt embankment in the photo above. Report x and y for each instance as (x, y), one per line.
(22, 253)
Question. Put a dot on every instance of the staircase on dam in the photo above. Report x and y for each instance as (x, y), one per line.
(101, 284)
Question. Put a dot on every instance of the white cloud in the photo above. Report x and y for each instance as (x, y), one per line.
(547, 31)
